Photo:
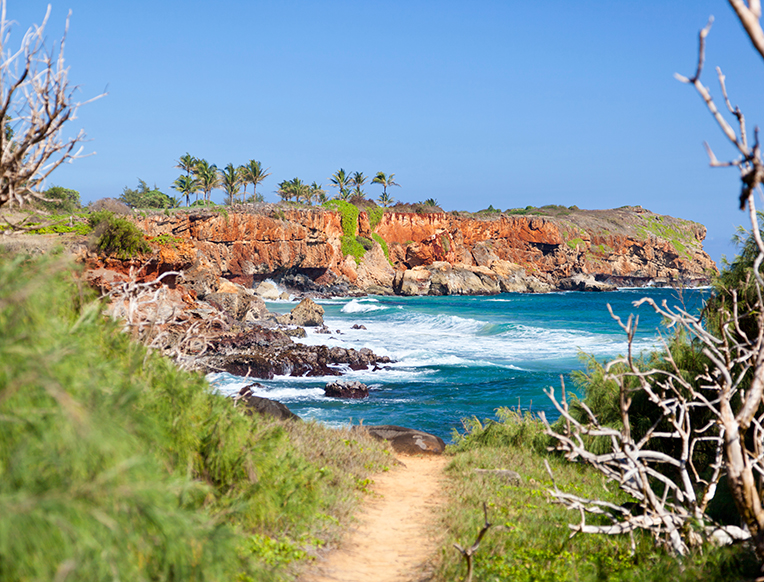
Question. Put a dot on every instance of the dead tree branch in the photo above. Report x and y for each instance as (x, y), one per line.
(469, 552)
(36, 101)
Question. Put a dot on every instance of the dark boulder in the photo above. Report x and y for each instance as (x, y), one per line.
(346, 389)
(264, 406)
(358, 326)
(407, 440)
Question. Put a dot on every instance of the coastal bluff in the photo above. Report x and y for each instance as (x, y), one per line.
(439, 253)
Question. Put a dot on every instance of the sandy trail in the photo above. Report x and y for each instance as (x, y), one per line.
(394, 537)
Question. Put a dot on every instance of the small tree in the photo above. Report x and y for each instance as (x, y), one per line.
(36, 101)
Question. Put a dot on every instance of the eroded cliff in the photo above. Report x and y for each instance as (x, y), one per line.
(438, 253)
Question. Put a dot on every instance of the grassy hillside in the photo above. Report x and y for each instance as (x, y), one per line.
(115, 465)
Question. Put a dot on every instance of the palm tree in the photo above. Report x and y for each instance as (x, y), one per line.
(317, 193)
(207, 175)
(341, 181)
(385, 200)
(358, 180)
(385, 180)
(186, 185)
(294, 188)
(230, 180)
(187, 163)
(252, 173)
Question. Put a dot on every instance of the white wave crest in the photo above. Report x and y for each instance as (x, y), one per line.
(355, 306)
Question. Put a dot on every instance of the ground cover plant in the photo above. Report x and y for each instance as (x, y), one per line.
(529, 539)
(116, 465)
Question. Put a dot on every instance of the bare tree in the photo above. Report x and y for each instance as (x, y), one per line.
(36, 101)
(721, 410)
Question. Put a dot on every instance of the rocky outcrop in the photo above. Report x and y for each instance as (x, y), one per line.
(264, 406)
(438, 253)
(260, 352)
(346, 389)
(307, 314)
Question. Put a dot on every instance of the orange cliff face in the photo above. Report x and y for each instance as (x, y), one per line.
(442, 252)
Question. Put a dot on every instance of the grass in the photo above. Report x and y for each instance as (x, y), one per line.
(531, 539)
(116, 465)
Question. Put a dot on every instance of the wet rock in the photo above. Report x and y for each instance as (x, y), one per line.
(295, 332)
(264, 406)
(407, 440)
(358, 326)
(307, 313)
(346, 389)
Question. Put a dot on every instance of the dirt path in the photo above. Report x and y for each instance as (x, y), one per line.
(394, 537)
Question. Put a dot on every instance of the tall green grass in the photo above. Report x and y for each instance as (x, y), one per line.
(116, 465)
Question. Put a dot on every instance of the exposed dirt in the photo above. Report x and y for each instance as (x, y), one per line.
(396, 535)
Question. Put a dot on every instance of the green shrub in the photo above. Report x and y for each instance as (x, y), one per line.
(60, 200)
(117, 236)
(375, 216)
(351, 246)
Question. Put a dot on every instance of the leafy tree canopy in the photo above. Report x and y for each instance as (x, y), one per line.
(145, 197)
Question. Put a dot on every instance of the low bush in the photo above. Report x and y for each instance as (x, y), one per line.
(117, 236)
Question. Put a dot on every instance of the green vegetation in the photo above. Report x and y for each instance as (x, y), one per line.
(145, 197)
(166, 240)
(375, 216)
(116, 465)
(117, 236)
(678, 233)
(385, 180)
(60, 200)
(530, 540)
(573, 243)
(64, 223)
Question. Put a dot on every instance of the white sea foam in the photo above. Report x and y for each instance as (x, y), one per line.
(355, 306)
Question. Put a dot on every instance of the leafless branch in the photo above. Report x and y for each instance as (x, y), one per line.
(469, 552)
(36, 102)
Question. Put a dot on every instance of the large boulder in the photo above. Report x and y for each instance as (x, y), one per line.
(346, 389)
(264, 406)
(408, 440)
(307, 313)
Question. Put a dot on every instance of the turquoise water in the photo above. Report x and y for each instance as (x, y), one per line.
(463, 356)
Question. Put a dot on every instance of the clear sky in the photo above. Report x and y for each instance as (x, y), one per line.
(506, 103)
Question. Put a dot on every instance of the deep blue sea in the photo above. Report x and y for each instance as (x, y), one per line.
(456, 356)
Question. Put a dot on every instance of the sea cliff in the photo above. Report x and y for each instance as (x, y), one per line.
(435, 253)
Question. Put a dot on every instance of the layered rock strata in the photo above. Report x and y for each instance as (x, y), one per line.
(436, 254)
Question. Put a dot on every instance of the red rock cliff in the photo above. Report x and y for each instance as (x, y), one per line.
(625, 245)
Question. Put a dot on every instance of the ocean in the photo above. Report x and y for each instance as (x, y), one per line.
(463, 356)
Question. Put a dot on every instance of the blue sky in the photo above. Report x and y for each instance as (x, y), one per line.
(471, 103)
